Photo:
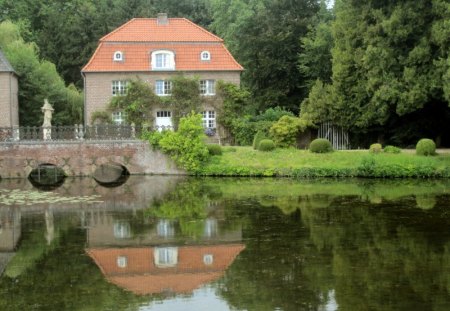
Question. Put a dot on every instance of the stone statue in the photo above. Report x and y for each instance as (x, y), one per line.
(47, 109)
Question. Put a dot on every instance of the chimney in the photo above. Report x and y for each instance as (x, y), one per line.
(162, 19)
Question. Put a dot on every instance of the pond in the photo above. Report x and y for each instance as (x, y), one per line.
(175, 243)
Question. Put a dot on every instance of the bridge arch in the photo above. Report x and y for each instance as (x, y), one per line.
(111, 174)
(82, 158)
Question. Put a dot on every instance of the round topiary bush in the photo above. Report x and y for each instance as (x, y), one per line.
(426, 147)
(214, 149)
(266, 145)
(320, 145)
(257, 139)
(392, 149)
(375, 148)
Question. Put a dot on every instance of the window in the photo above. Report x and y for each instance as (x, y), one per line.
(119, 87)
(210, 228)
(205, 55)
(122, 261)
(163, 60)
(208, 259)
(207, 87)
(209, 119)
(119, 117)
(165, 229)
(163, 87)
(166, 256)
(122, 230)
(118, 56)
(164, 114)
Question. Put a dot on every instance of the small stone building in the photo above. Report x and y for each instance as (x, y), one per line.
(9, 94)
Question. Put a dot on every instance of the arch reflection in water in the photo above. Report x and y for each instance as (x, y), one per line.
(47, 176)
(111, 175)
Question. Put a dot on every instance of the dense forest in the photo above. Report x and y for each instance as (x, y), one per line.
(381, 69)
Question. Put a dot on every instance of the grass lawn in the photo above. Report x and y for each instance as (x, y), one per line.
(245, 161)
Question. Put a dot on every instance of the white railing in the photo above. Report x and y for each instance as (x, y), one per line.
(75, 132)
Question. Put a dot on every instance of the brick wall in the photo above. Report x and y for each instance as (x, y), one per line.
(98, 90)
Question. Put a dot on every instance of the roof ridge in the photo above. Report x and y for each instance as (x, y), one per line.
(202, 29)
(93, 56)
(117, 29)
(232, 57)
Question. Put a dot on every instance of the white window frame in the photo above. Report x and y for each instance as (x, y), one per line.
(163, 87)
(211, 228)
(205, 55)
(208, 259)
(118, 56)
(207, 87)
(163, 60)
(122, 230)
(122, 261)
(166, 256)
(119, 87)
(209, 119)
(165, 228)
(119, 117)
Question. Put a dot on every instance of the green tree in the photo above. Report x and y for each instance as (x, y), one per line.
(390, 67)
(264, 36)
(314, 60)
(38, 79)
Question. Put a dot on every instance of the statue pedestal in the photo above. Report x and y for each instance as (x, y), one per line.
(47, 133)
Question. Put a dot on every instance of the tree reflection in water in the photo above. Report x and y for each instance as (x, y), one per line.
(257, 244)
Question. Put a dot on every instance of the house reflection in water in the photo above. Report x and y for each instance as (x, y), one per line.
(10, 230)
(162, 260)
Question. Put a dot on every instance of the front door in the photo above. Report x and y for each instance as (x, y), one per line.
(163, 120)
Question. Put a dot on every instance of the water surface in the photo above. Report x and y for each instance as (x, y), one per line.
(171, 243)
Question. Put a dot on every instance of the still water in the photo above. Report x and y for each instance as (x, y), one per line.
(172, 243)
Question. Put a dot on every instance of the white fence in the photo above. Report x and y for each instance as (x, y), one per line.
(335, 134)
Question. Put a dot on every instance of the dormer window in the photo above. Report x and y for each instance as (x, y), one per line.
(205, 55)
(118, 56)
(163, 60)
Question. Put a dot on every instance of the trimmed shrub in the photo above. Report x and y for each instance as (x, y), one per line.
(375, 148)
(266, 145)
(392, 149)
(426, 147)
(214, 149)
(320, 145)
(285, 131)
(257, 139)
(186, 146)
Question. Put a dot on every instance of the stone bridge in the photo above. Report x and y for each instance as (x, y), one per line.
(83, 157)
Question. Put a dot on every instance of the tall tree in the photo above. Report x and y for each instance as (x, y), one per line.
(315, 58)
(38, 80)
(390, 70)
(264, 37)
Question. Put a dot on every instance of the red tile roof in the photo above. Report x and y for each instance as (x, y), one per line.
(147, 30)
(140, 36)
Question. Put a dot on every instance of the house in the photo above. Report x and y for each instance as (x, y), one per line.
(9, 98)
(155, 50)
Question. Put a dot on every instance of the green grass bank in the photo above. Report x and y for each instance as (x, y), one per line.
(245, 161)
